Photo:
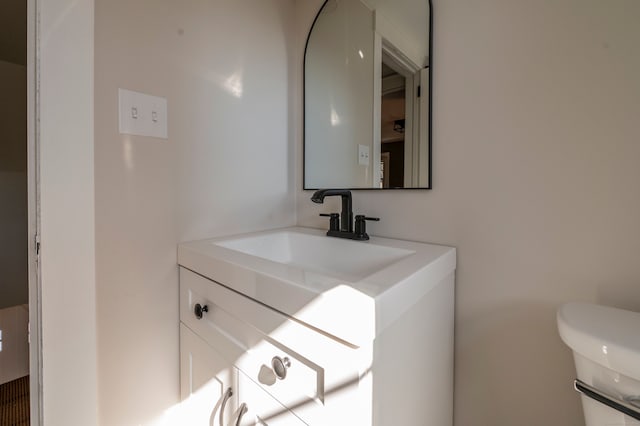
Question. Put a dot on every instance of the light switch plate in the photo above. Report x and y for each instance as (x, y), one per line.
(363, 155)
(141, 114)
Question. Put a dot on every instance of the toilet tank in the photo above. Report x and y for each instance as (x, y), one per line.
(606, 348)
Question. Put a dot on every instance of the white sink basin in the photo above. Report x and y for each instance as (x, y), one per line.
(334, 257)
(349, 289)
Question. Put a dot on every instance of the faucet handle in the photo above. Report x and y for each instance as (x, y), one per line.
(361, 226)
(334, 221)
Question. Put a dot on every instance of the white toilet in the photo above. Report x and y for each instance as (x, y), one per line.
(606, 349)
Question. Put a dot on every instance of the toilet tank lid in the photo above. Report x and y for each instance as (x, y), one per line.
(605, 335)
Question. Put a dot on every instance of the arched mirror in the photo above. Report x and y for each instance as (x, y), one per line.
(367, 97)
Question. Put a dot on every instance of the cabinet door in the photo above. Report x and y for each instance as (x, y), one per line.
(207, 382)
(261, 408)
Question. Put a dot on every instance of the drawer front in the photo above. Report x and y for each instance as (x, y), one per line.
(283, 372)
(214, 325)
(261, 408)
(289, 377)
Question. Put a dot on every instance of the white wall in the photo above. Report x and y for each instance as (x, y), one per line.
(14, 345)
(13, 185)
(536, 177)
(226, 168)
(67, 213)
(13, 238)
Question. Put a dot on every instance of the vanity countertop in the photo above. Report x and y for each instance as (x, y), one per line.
(351, 290)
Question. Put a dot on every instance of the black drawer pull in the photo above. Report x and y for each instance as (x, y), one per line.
(199, 310)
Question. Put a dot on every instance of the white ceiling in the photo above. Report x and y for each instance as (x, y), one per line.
(13, 31)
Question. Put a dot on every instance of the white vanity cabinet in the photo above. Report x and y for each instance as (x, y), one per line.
(207, 381)
(261, 407)
(211, 388)
(293, 361)
(277, 368)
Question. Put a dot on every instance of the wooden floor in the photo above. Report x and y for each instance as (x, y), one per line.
(14, 402)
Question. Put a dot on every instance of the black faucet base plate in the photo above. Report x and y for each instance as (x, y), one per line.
(348, 235)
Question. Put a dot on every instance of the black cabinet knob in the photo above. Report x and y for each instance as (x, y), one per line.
(199, 310)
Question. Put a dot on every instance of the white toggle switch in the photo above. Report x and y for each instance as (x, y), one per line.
(363, 155)
(141, 114)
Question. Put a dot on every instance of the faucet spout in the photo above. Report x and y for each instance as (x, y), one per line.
(346, 216)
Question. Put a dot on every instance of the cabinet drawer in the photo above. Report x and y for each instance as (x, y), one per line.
(300, 380)
(285, 374)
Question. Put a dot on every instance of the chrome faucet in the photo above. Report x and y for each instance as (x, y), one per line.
(342, 226)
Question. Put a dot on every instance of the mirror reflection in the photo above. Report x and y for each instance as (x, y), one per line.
(367, 95)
